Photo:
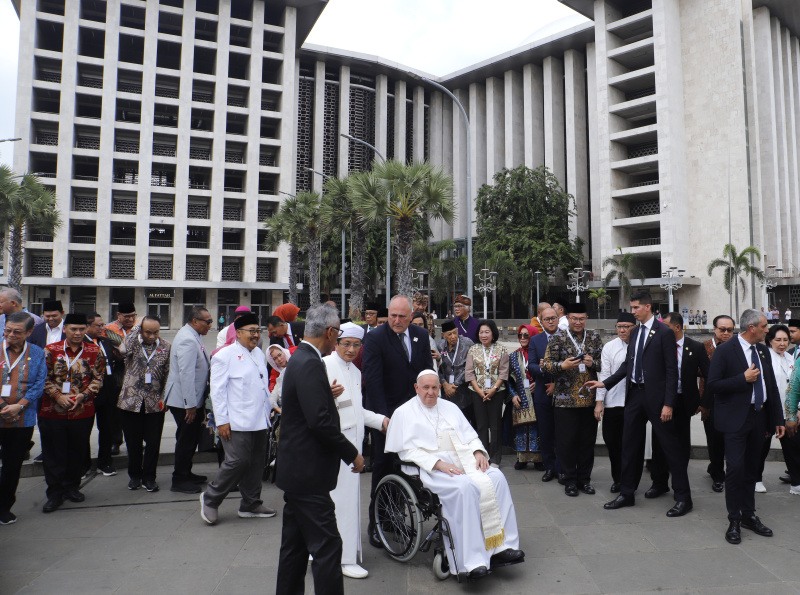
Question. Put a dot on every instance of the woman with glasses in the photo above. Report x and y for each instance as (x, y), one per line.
(520, 386)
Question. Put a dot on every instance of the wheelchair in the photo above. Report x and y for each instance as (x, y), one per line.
(271, 463)
(402, 505)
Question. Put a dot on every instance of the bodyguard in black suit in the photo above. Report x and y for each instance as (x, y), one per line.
(285, 334)
(390, 368)
(747, 409)
(693, 363)
(310, 448)
(651, 373)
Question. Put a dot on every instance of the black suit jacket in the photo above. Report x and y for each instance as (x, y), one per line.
(298, 330)
(312, 442)
(694, 363)
(388, 376)
(39, 335)
(112, 385)
(659, 367)
(732, 393)
(536, 349)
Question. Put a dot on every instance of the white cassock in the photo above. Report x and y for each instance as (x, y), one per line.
(475, 508)
(352, 417)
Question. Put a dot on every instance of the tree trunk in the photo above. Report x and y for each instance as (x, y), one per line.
(405, 238)
(313, 271)
(15, 251)
(736, 282)
(531, 309)
(358, 282)
(293, 262)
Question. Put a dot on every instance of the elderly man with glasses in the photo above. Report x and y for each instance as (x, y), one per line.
(185, 395)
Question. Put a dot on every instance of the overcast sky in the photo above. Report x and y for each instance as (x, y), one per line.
(435, 36)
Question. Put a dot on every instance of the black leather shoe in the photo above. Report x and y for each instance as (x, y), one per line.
(717, 486)
(506, 557)
(52, 505)
(374, 539)
(185, 487)
(619, 502)
(75, 496)
(571, 490)
(615, 487)
(197, 478)
(756, 526)
(520, 465)
(680, 509)
(586, 488)
(549, 475)
(562, 479)
(655, 492)
(479, 572)
(785, 478)
(734, 533)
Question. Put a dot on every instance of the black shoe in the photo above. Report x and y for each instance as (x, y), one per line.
(194, 478)
(549, 475)
(717, 486)
(680, 509)
(185, 487)
(106, 470)
(506, 557)
(785, 478)
(538, 466)
(520, 465)
(562, 479)
(734, 533)
(114, 450)
(150, 485)
(479, 572)
(38, 459)
(615, 487)
(756, 526)
(374, 539)
(620, 502)
(586, 488)
(571, 489)
(7, 517)
(75, 496)
(655, 492)
(52, 505)
(134, 484)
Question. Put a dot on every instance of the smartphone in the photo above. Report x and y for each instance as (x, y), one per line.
(578, 357)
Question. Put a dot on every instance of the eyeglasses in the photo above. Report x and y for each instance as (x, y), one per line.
(550, 319)
(253, 332)
(207, 320)
(577, 319)
(338, 330)
(356, 345)
(524, 336)
(7, 331)
(625, 327)
(723, 329)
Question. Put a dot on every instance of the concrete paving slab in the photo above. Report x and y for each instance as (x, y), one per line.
(598, 539)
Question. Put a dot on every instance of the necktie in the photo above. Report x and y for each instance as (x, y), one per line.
(637, 366)
(402, 338)
(757, 386)
(289, 341)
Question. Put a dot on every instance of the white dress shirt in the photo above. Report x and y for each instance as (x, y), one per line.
(563, 323)
(679, 350)
(644, 327)
(240, 388)
(782, 365)
(54, 334)
(747, 355)
(614, 353)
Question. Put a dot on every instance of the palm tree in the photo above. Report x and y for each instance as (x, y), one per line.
(26, 204)
(279, 231)
(405, 193)
(599, 295)
(735, 267)
(623, 271)
(432, 258)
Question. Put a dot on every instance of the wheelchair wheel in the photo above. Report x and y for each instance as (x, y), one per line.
(441, 567)
(398, 518)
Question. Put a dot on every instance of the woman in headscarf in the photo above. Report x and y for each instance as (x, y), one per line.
(287, 312)
(277, 358)
(526, 431)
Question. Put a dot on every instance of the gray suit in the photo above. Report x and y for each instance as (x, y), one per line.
(188, 370)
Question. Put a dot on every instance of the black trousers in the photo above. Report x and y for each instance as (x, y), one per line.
(105, 413)
(576, 429)
(64, 443)
(791, 454)
(143, 440)
(743, 452)
(716, 449)
(489, 423)
(637, 414)
(382, 465)
(659, 469)
(547, 434)
(764, 454)
(309, 527)
(613, 422)
(186, 438)
(14, 443)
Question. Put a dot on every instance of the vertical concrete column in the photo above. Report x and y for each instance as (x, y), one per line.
(418, 111)
(779, 52)
(554, 142)
(448, 143)
(533, 114)
(288, 98)
(495, 126)
(594, 162)
(460, 156)
(400, 121)
(477, 124)
(176, 311)
(102, 303)
(576, 143)
(381, 113)
(514, 119)
(344, 120)
(794, 67)
(435, 157)
(318, 125)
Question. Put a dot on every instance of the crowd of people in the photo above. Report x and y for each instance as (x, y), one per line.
(389, 389)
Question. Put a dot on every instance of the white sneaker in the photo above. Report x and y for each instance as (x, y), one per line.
(259, 511)
(760, 489)
(354, 571)
(795, 490)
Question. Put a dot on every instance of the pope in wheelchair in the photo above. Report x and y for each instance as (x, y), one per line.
(471, 497)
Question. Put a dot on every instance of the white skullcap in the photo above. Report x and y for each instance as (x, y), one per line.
(351, 330)
(426, 373)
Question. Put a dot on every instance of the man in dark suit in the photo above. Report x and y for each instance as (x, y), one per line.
(747, 409)
(283, 333)
(543, 393)
(692, 363)
(310, 448)
(651, 373)
(394, 354)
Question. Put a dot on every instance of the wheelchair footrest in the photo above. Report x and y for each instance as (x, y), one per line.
(511, 563)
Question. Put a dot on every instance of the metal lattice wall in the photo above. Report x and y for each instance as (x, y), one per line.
(41, 264)
(122, 268)
(305, 133)
(85, 204)
(362, 125)
(264, 271)
(794, 296)
(409, 131)
(123, 206)
(645, 208)
(427, 133)
(390, 127)
(159, 269)
(231, 271)
(196, 270)
(82, 266)
(330, 138)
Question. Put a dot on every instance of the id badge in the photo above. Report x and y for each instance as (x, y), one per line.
(148, 378)
(527, 383)
(108, 370)
(487, 383)
(452, 379)
(65, 388)
(582, 368)
(6, 390)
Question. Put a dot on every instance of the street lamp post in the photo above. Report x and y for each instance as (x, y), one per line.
(671, 281)
(576, 283)
(537, 273)
(447, 91)
(388, 223)
(770, 281)
(488, 283)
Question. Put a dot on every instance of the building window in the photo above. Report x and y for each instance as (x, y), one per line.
(121, 267)
(794, 296)
(159, 268)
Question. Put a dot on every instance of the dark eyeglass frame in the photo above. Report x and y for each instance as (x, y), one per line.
(338, 330)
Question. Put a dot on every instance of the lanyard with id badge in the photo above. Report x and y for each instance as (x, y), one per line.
(67, 385)
(579, 348)
(148, 377)
(452, 377)
(108, 361)
(6, 390)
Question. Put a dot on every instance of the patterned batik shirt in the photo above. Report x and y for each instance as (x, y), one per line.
(85, 375)
(135, 388)
(478, 370)
(569, 390)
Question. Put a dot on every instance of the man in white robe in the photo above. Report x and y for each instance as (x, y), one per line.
(434, 435)
(352, 418)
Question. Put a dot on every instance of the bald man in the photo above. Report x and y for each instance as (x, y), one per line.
(535, 322)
